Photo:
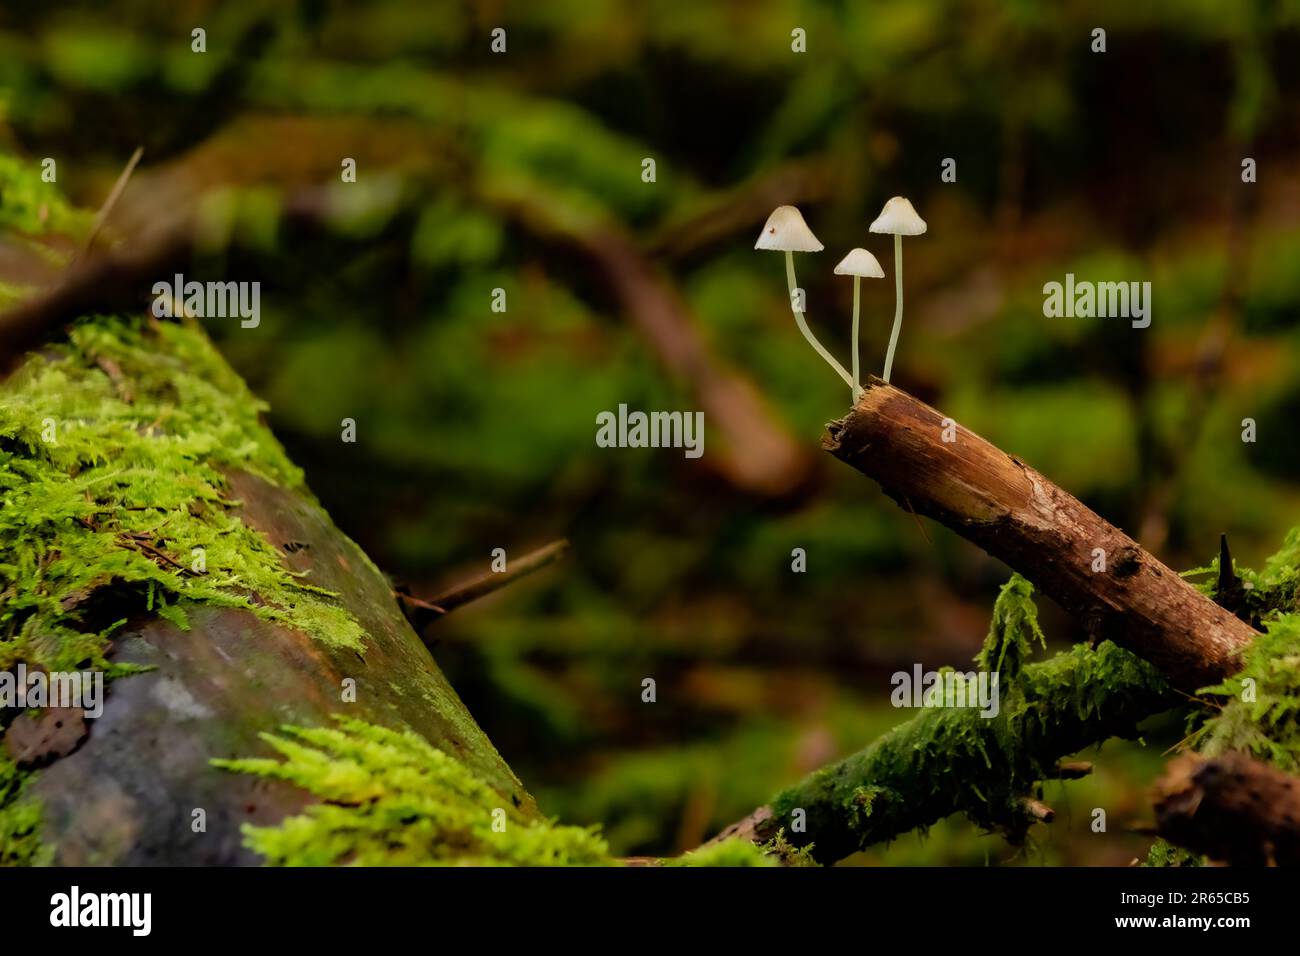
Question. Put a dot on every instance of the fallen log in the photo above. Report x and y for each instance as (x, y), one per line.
(148, 519)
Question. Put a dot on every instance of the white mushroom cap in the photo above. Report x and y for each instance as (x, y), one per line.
(899, 218)
(859, 262)
(785, 231)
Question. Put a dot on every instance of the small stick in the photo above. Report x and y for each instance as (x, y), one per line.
(487, 583)
(114, 195)
(150, 551)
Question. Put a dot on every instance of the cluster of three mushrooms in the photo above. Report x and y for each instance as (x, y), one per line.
(786, 231)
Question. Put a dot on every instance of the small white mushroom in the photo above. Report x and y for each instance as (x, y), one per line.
(785, 231)
(899, 219)
(860, 264)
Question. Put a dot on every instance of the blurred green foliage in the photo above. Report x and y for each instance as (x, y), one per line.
(476, 427)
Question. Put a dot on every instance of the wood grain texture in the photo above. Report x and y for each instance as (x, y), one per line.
(1018, 516)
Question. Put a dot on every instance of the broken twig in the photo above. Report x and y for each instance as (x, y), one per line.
(422, 612)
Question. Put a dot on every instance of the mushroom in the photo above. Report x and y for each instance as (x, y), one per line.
(899, 219)
(785, 231)
(858, 263)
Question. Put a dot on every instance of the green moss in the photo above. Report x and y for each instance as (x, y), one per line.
(1277, 586)
(1012, 632)
(1260, 710)
(114, 454)
(734, 852)
(1261, 715)
(390, 798)
(32, 206)
(953, 760)
(1274, 589)
(1163, 853)
(20, 820)
(638, 796)
(788, 853)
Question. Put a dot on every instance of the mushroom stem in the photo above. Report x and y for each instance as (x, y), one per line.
(803, 325)
(898, 307)
(857, 296)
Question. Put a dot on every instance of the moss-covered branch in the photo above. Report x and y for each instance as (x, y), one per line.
(1242, 804)
(953, 760)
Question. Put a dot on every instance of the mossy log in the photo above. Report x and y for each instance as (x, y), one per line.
(125, 452)
(933, 466)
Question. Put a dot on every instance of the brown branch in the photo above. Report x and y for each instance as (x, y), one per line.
(1231, 808)
(118, 279)
(756, 452)
(122, 278)
(422, 613)
(1015, 514)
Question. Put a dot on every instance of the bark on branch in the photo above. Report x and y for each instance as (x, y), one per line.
(1015, 514)
(120, 279)
(1231, 808)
